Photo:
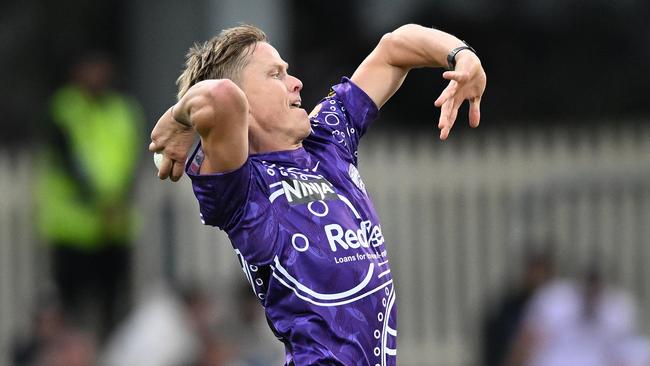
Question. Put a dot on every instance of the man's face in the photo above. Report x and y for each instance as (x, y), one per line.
(274, 98)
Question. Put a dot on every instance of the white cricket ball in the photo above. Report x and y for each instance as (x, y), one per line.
(157, 159)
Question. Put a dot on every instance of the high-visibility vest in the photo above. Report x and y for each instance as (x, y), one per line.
(85, 178)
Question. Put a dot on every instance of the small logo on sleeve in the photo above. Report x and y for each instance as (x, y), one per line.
(356, 178)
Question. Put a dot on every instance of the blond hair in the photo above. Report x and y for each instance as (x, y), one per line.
(222, 57)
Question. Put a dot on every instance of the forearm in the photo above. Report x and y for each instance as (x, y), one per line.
(412, 46)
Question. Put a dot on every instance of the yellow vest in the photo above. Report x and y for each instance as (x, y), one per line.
(103, 137)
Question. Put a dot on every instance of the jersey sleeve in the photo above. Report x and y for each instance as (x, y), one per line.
(221, 196)
(343, 117)
(235, 202)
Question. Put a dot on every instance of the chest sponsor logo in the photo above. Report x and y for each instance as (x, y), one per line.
(304, 191)
(367, 234)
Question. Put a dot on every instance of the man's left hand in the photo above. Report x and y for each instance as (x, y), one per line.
(467, 82)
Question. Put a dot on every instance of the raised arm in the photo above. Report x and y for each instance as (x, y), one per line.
(215, 109)
(413, 46)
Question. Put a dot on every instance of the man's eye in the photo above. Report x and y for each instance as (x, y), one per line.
(275, 75)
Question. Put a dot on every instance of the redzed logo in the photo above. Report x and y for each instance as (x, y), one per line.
(367, 234)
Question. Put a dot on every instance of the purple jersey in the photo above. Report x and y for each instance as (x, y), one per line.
(309, 239)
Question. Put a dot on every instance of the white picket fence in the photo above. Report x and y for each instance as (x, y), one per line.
(456, 217)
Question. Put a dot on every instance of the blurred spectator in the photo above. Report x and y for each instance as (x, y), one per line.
(71, 348)
(52, 342)
(580, 323)
(634, 351)
(171, 328)
(47, 324)
(503, 322)
(258, 346)
(85, 177)
(158, 332)
(214, 348)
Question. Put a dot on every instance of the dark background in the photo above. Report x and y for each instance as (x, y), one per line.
(552, 62)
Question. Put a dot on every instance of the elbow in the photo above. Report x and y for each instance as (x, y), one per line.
(394, 45)
(404, 31)
(388, 47)
(219, 102)
(407, 28)
(398, 38)
(389, 41)
(403, 47)
(225, 96)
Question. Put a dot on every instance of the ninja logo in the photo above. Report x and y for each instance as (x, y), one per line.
(303, 191)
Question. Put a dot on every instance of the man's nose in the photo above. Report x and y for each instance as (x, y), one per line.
(296, 84)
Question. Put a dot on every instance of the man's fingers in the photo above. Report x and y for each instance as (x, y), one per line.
(153, 147)
(475, 112)
(444, 132)
(452, 98)
(444, 123)
(170, 168)
(453, 112)
(177, 171)
(165, 168)
(459, 76)
(449, 92)
(448, 115)
(444, 114)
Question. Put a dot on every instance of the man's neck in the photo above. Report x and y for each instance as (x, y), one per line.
(267, 145)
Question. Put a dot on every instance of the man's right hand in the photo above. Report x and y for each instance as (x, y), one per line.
(174, 140)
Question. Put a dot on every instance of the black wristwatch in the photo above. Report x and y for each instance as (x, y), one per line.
(451, 57)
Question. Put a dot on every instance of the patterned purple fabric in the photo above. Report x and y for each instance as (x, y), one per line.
(309, 240)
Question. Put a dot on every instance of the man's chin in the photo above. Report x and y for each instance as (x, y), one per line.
(305, 127)
(301, 111)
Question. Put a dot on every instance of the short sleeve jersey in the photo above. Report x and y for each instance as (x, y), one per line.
(309, 240)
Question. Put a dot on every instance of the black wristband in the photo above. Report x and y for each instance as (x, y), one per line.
(451, 57)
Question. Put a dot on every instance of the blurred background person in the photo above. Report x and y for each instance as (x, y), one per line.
(503, 321)
(156, 332)
(83, 192)
(47, 323)
(52, 341)
(578, 322)
(72, 348)
(172, 326)
(257, 345)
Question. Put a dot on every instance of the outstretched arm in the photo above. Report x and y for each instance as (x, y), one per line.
(215, 109)
(413, 46)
